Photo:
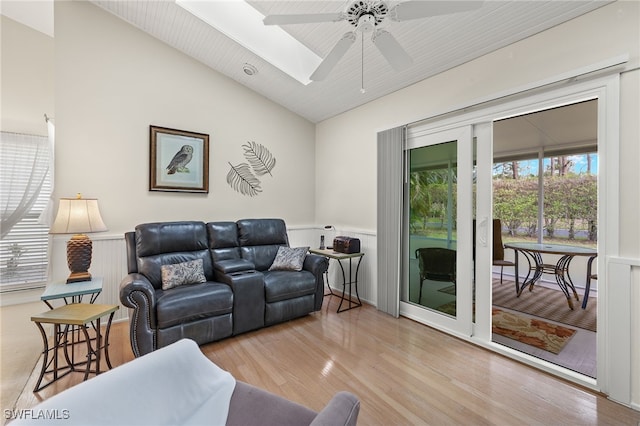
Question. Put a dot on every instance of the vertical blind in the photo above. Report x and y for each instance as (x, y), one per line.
(389, 209)
(25, 189)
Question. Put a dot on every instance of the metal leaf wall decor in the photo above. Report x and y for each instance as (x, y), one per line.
(259, 157)
(242, 178)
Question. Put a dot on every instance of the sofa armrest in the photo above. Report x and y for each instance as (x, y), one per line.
(231, 266)
(248, 299)
(138, 294)
(343, 409)
(317, 265)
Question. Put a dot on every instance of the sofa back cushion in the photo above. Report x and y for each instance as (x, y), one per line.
(260, 239)
(223, 241)
(169, 243)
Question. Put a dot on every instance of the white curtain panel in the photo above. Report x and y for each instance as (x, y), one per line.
(24, 164)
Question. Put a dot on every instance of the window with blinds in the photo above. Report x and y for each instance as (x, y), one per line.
(25, 189)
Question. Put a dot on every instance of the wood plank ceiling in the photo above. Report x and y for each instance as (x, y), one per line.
(436, 44)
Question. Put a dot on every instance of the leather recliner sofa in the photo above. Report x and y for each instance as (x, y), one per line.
(239, 292)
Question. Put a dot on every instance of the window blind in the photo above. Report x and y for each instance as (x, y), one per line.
(25, 188)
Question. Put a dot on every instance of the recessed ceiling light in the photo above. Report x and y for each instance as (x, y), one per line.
(249, 69)
(241, 22)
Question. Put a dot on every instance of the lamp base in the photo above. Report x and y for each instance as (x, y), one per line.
(78, 276)
(79, 250)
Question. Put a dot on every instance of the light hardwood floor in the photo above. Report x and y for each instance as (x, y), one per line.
(403, 372)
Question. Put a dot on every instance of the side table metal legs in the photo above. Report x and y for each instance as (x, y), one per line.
(58, 337)
(352, 283)
(51, 362)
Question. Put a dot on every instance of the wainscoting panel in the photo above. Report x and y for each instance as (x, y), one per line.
(622, 295)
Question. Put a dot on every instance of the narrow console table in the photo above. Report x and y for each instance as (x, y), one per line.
(80, 315)
(353, 280)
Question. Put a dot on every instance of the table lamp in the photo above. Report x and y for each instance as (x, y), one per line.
(78, 216)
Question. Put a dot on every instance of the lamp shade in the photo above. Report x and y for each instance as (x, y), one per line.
(78, 216)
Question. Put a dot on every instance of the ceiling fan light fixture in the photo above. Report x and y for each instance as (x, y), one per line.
(368, 16)
(375, 10)
(366, 23)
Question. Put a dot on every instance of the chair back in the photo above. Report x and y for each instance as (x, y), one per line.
(437, 264)
(498, 247)
(166, 243)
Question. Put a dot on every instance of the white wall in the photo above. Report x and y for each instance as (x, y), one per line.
(112, 81)
(27, 78)
(348, 141)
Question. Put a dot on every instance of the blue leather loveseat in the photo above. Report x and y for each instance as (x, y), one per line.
(209, 281)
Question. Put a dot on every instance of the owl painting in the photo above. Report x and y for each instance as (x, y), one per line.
(180, 160)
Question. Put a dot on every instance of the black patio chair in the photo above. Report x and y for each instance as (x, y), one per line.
(436, 264)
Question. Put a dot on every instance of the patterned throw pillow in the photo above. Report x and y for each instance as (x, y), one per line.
(191, 272)
(289, 259)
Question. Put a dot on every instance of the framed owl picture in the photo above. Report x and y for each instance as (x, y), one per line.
(179, 160)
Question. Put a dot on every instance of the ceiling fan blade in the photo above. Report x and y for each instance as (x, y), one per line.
(417, 9)
(303, 18)
(333, 57)
(397, 57)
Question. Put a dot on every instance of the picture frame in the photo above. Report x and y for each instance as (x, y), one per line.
(179, 160)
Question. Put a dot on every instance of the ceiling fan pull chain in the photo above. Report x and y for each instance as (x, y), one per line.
(362, 90)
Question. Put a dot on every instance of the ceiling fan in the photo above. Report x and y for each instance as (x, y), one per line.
(367, 16)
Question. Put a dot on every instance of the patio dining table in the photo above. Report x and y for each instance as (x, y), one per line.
(533, 253)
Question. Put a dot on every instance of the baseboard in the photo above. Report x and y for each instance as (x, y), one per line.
(19, 297)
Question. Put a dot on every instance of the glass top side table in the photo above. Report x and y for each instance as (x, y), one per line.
(72, 292)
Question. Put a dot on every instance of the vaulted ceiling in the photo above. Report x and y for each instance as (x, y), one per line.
(435, 44)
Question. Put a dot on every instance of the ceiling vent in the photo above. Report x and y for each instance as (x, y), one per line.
(249, 69)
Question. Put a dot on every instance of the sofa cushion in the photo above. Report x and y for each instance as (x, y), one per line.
(193, 301)
(151, 266)
(262, 257)
(251, 406)
(223, 240)
(177, 274)
(289, 259)
(261, 232)
(169, 243)
(284, 285)
(174, 385)
(169, 237)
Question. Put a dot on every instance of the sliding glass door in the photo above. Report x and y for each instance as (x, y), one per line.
(438, 222)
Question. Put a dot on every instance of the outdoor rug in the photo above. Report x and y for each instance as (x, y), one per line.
(531, 331)
(546, 303)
